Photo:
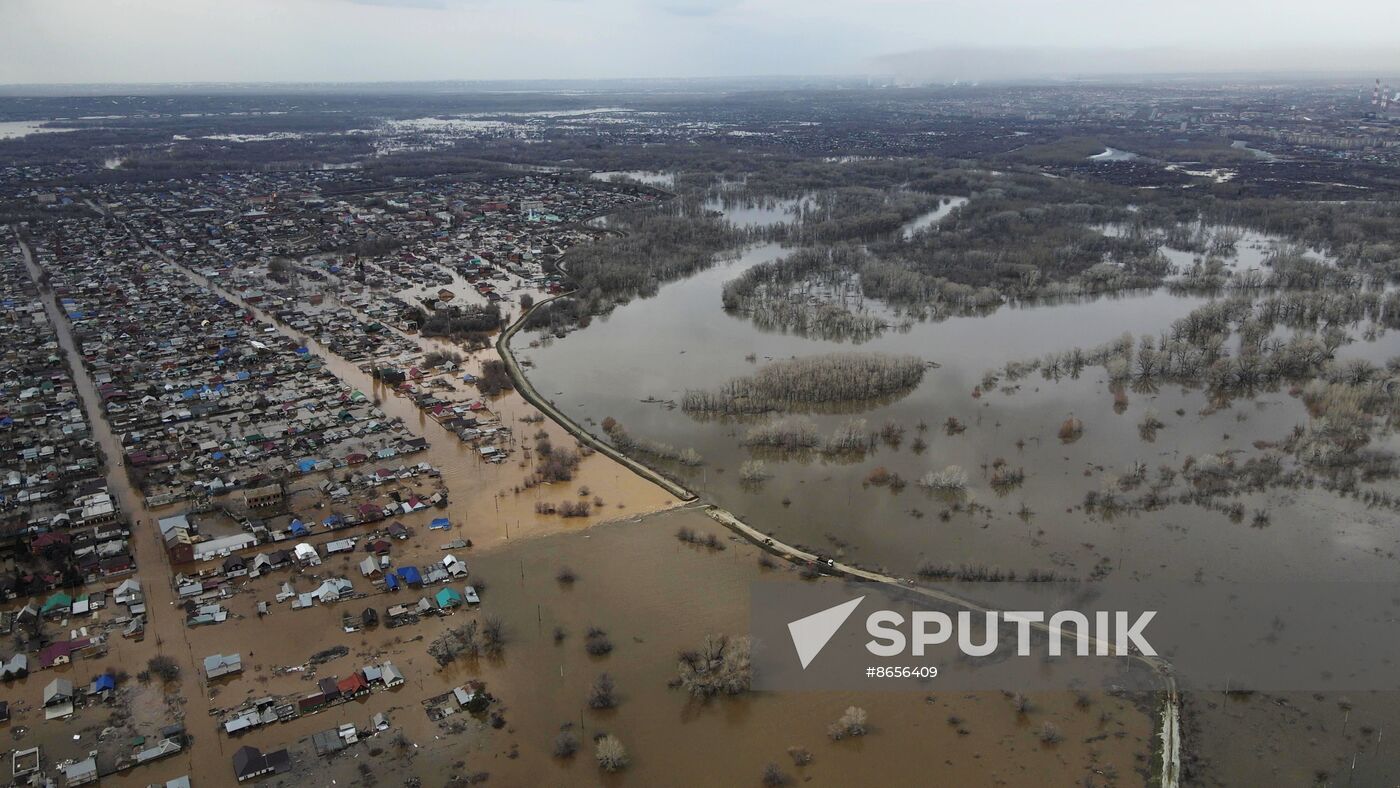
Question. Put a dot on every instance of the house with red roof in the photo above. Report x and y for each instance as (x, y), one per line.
(353, 686)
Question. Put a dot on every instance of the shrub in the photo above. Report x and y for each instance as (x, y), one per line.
(163, 668)
(774, 776)
(575, 508)
(1147, 428)
(852, 723)
(951, 478)
(753, 471)
(603, 693)
(493, 637)
(1070, 429)
(722, 665)
(611, 755)
(1005, 477)
(565, 744)
(597, 642)
(494, 378)
(816, 380)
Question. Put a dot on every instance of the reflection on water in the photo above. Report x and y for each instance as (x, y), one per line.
(15, 129)
(1261, 155)
(664, 180)
(931, 218)
(760, 212)
(1113, 154)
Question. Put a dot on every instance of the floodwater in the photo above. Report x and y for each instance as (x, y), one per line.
(486, 509)
(488, 501)
(1261, 155)
(664, 180)
(932, 217)
(1114, 154)
(748, 212)
(654, 597)
(15, 129)
(681, 339)
(635, 364)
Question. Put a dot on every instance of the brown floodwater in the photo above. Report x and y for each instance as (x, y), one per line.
(484, 505)
(654, 596)
(477, 512)
(681, 339)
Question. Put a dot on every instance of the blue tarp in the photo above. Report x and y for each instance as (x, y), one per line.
(440, 523)
(105, 682)
(391, 582)
(298, 528)
(410, 575)
(306, 465)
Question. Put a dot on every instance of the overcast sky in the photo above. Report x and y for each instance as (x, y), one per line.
(58, 41)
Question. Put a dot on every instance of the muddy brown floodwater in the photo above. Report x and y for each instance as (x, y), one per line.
(682, 339)
(485, 506)
(654, 596)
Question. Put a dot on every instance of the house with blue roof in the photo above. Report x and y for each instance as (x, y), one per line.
(448, 598)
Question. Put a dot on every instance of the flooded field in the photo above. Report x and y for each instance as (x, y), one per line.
(843, 505)
(663, 180)
(16, 129)
(681, 340)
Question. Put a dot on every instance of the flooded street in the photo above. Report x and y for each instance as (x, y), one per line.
(165, 627)
(484, 507)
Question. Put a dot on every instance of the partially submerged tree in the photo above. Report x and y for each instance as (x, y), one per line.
(852, 723)
(611, 755)
(721, 666)
(603, 694)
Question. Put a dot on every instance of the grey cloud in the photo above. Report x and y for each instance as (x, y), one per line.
(435, 5)
(1001, 63)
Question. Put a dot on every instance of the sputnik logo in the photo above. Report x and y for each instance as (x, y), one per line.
(810, 634)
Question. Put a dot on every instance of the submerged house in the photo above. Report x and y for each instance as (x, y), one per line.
(216, 665)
